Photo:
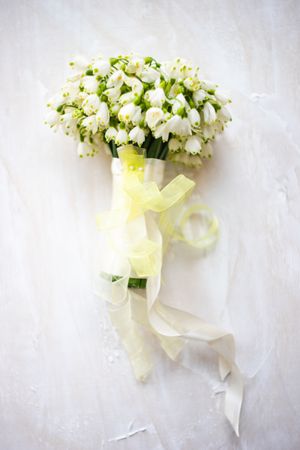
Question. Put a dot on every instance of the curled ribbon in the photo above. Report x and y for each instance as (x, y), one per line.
(138, 241)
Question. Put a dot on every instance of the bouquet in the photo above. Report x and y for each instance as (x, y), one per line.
(144, 113)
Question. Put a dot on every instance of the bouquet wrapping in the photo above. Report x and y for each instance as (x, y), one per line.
(145, 113)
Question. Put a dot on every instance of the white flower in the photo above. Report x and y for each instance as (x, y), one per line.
(179, 126)
(149, 75)
(116, 79)
(162, 131)
(135, 84)
(113, 94)
(91, 104)
(137, 135)
(129, 112)
(178, 103)
(176, 69)
(101, 67)
(56, 101)
(110, 134)
(102, 115)
(208, 85)
(154, 116)
(174, 145)
(70, 90)
(221, 97)
(135, 65)
(156, 97)
(127, 98)
(90, 123)
(121, 137)
(52, 118)
(79, 63)
(187, 159)
(209, 113)
(192, 84)
(207, 151)
(68, 122)
(175, 90)
(224, 115)
(193, 145)
(84, 148)
(114, 109)
(90, 84)
(208, 132)
(137, 116)
(194, 117)
(199, 96)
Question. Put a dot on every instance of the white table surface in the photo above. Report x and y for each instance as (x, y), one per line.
(65, 381)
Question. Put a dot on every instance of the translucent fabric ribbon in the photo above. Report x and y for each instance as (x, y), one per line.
(142, 220)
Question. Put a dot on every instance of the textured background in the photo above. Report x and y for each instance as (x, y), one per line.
(65, 382)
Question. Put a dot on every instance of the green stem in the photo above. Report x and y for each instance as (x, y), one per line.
(164, 153)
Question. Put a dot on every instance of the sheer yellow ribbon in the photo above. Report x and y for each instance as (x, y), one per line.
(142, 256)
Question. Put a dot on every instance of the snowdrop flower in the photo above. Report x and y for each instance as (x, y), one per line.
(209, 113)
(110, 134)
(56, 101)
(178, 103)
(79, 63)
(102, 115)
(90, 123)
(221, 97)
(128, 112)
(192, 84)
(137, 135)
(175, 90)
(83, 149)
(193, 145)
(208, 85)
(207, 151)
(149, 75)
(135, 65)
(137, 116)
(52, 118)
(175, 69)
(129, 97)
(162, 131)
(70, 90)
(114, 109)
(154, 116)
(179, 126)
(156, 97)
(121, 137)
(91, 104)
(174, 145)
(135, 84)
(224, 115)
(68, 122)
(208, 132)
(116, 79)
(112, 94)
(194, 117)
(101, 67)
(199, 96)
(90, 84)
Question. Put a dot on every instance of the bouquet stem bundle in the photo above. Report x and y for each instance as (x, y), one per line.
(154, 148)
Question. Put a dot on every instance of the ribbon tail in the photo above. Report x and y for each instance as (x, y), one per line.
(132, 340)
(234, 398)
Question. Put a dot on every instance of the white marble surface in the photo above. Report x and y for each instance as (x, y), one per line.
(65, 382)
